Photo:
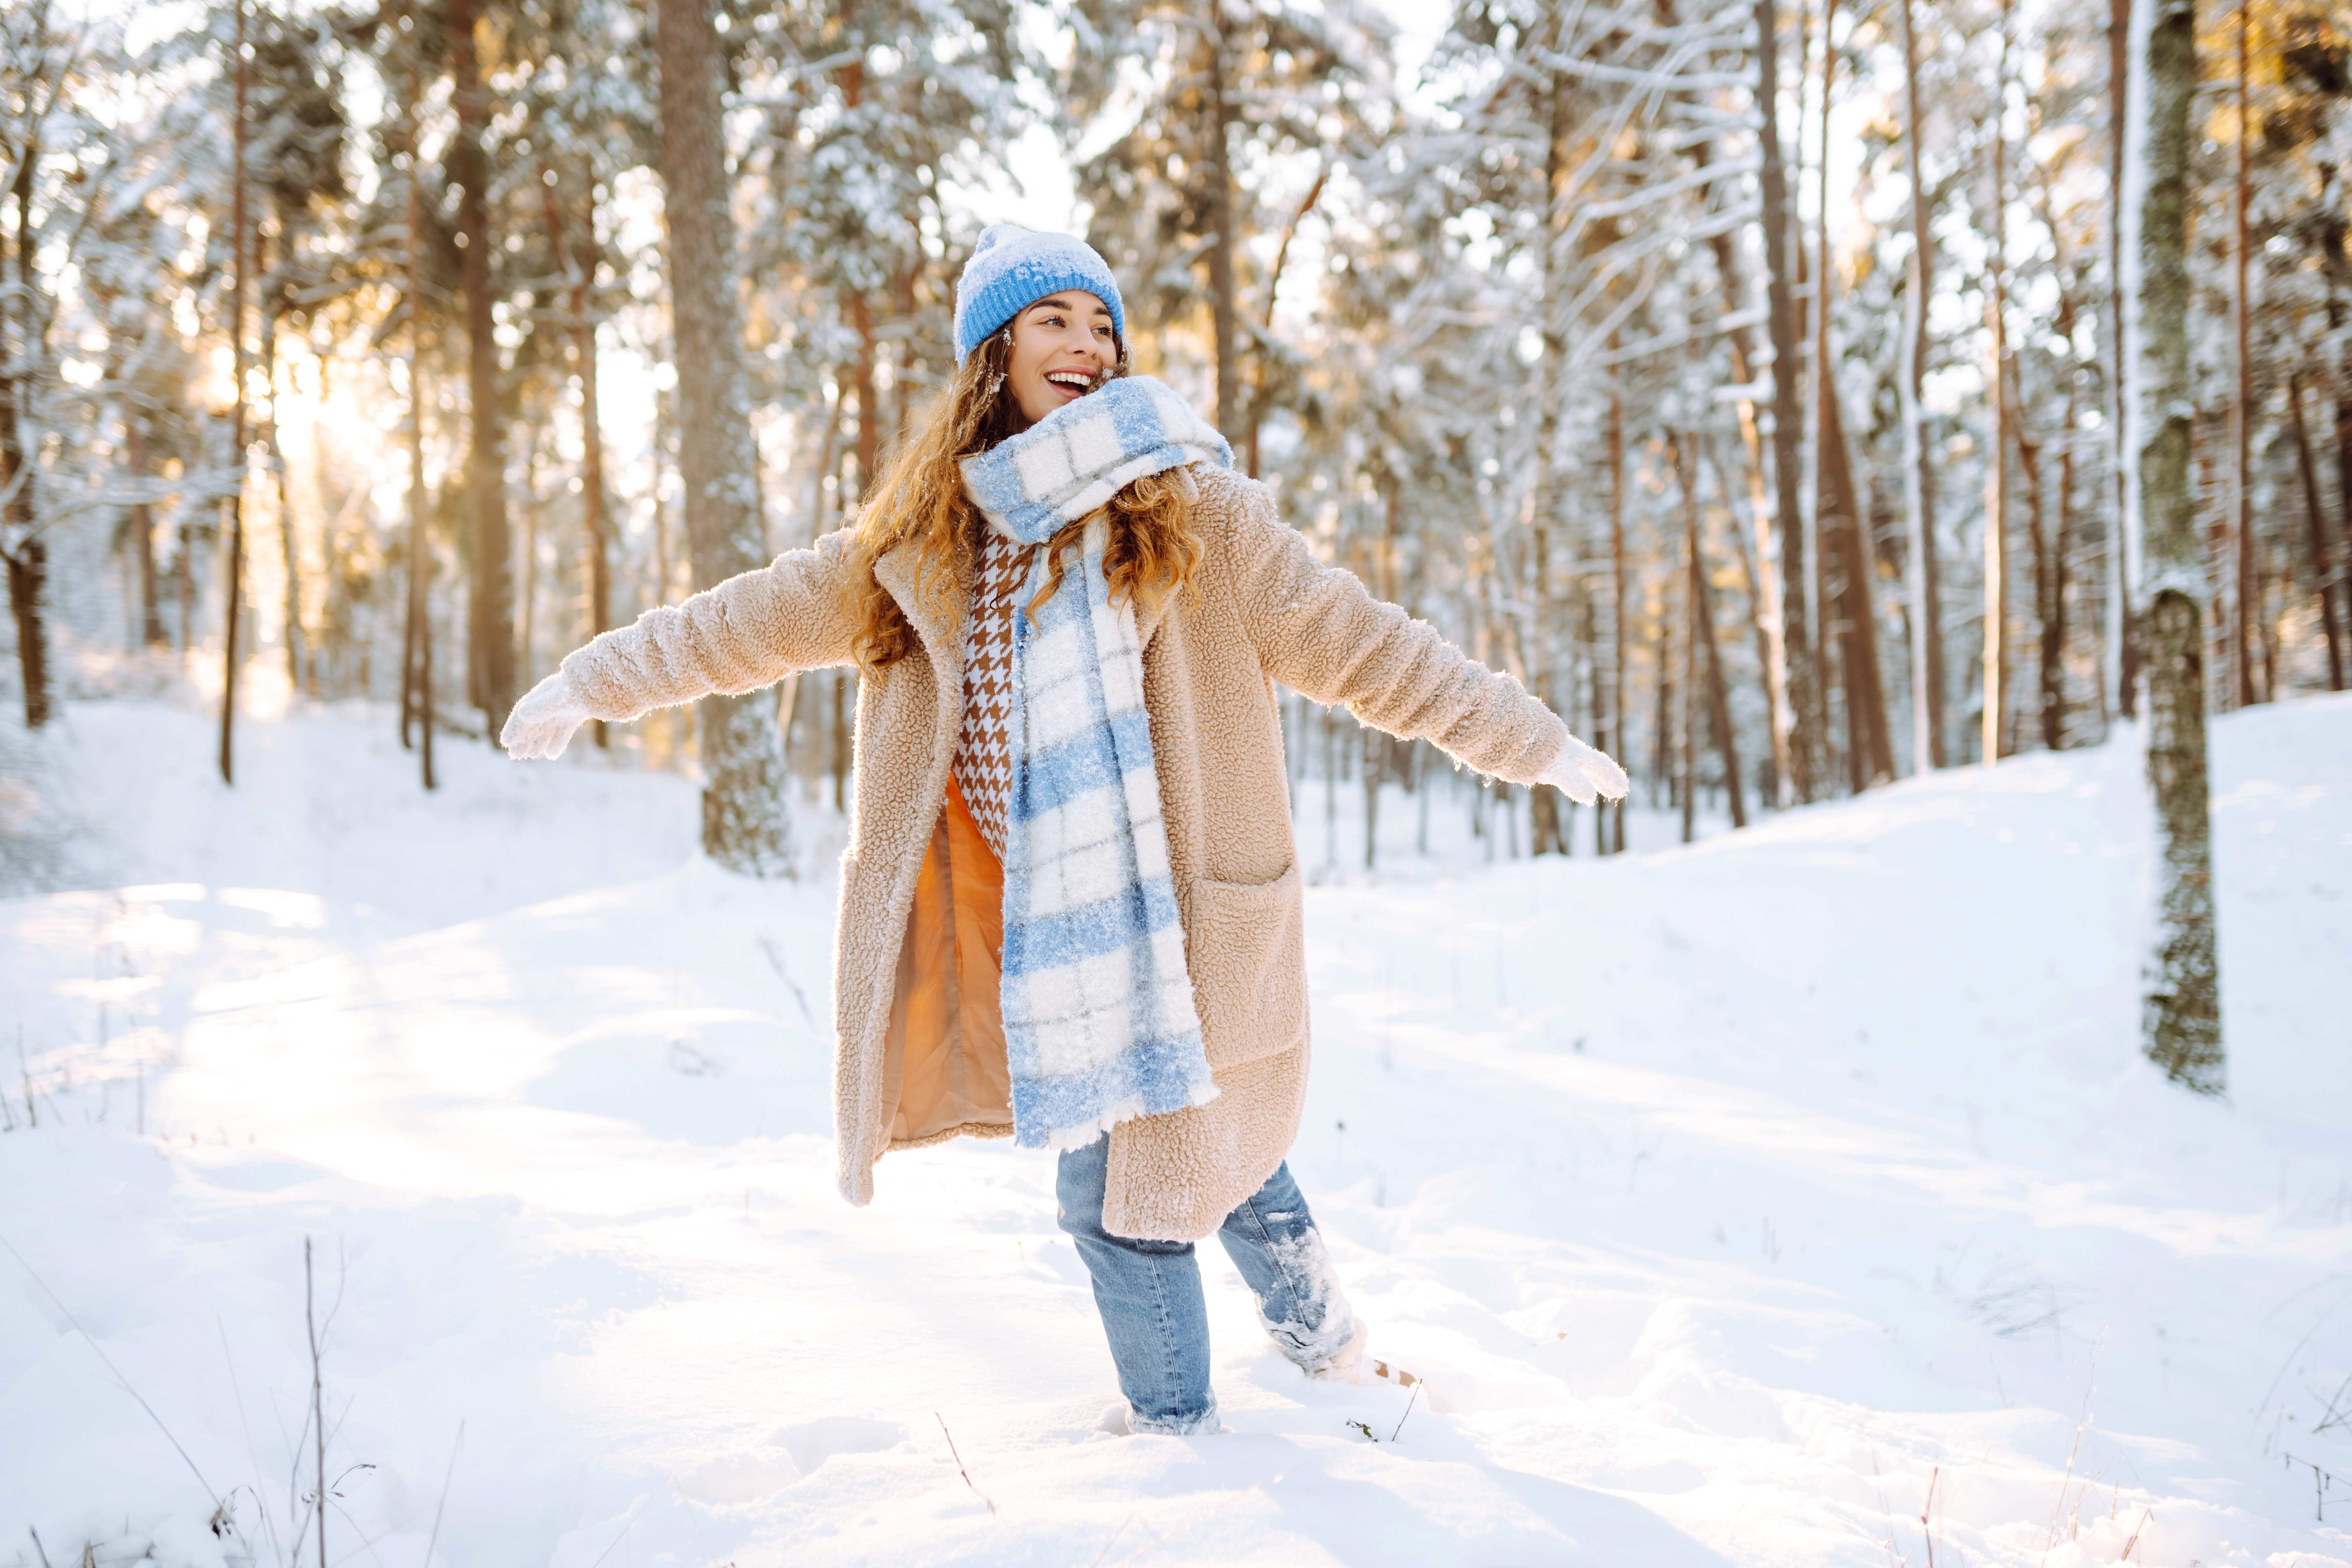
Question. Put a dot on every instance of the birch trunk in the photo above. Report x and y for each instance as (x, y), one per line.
(2181, 1014)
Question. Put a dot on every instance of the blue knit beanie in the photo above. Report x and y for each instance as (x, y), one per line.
(1012, 267)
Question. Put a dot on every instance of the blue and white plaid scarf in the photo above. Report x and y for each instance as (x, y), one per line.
(1099, 1024)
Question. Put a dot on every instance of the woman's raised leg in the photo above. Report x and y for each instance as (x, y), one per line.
(1272, 1239)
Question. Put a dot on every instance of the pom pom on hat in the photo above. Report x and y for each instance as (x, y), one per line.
(1012, 267)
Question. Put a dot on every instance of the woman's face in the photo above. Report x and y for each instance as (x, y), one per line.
(1062, 349)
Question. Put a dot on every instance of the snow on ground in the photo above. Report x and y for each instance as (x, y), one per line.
(1797, 1198)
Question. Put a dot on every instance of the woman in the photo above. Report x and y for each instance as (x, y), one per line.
(1070, 904)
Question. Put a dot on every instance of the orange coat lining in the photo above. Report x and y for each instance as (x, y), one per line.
(946, 1047)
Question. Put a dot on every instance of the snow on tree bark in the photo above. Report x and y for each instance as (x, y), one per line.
(746, 821)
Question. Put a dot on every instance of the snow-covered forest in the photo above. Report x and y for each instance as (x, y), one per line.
(1813, 402)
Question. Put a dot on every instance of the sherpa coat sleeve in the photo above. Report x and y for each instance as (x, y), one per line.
(749, 632)
(1319, 632)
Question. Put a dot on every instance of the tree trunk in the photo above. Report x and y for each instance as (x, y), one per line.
(1837, 511)
(2241, 422)
(2181, 1013)
(1615, 815)
(28, 577)
(1218, 163)
(746, 821)
(288, 549)
(2050, 585)
(1853, 608)
(1920, 567)
(579, 268)
(491, 672)
(1996, 522)
(1788, 412)
(526, 633)
(142, 528)
(28, 559)
(2118, 669)
(869, 417)
(1544, 831)
(234, 588)
(1687, 730)
(2323, 575)
(417, 660)
(2343, 401)
(1700, 594)
(1772, 662)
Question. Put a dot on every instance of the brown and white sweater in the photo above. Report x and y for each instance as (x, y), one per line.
(984, 765)
(1266, 611)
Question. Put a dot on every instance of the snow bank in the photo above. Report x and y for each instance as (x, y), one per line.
(1783, 1200)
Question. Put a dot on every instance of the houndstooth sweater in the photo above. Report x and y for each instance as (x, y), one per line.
(984, 762)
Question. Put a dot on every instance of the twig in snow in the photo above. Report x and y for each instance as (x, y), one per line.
(2066, 1481)
(318, 1400)
(252, 1454)
(776, 962)
(444, 1498)
(2144, 1514)
(1096, 1562)
(38, 1546)
(1927, 1527)
(1408, 1411)
(624, 1532)
(959, 1460)
(125, 1382)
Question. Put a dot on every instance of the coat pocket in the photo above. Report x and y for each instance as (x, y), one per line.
(1247, 954)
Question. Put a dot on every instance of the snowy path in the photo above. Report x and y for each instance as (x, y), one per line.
(1728, 1196)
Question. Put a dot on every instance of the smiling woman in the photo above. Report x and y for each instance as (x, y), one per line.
(1071, 910)
(1061, 348)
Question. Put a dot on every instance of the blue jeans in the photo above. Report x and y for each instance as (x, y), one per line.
(1148, 1292)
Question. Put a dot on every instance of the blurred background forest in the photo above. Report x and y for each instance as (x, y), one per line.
(1743, 376)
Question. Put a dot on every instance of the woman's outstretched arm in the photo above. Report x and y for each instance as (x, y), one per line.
(1318, 631)
(748, 632)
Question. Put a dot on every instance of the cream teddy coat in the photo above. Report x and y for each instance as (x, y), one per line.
(1266, 611)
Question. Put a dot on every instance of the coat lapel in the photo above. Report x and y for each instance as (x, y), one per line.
(939, 624)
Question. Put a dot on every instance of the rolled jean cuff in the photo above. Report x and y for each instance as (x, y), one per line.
(1183, 1426)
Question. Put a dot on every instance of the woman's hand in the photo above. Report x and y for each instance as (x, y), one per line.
(1584, 772)
(542, 722)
